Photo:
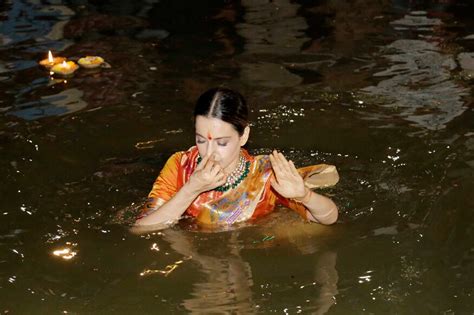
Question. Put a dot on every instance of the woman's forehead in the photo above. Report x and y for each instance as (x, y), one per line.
(213, 127)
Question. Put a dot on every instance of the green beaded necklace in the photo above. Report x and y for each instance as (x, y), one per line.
(234, 178)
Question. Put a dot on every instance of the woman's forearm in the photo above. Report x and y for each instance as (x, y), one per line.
(172, 210)
(321, 209)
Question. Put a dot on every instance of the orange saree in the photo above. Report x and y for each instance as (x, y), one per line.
(252, 198)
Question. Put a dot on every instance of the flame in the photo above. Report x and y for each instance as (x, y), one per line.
(64, 64)
(50, 57)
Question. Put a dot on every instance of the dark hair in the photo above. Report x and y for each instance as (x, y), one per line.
(224, 104)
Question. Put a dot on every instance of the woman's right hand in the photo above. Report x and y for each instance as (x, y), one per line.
(208, 175)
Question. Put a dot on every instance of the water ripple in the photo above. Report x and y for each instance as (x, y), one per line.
(419, 87)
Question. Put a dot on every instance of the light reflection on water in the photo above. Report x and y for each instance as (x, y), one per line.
(419, 86)
(49, 21)
(342, 96)
(65, 102)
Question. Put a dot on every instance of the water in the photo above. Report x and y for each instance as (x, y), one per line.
(382, 90)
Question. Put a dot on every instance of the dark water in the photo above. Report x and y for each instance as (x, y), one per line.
(382, 89)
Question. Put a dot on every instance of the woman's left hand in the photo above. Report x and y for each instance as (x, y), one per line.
(287, 182)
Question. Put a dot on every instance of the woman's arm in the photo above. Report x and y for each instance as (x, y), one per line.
(171, 210)
(207, 175)
(320, 208)
(289, 183)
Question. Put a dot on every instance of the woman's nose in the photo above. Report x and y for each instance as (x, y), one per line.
(211, 148)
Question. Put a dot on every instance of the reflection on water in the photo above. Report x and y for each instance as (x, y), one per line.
(228, 284)
(271, 29)
(258, 74)
(228, 280)
(419, 86)
(63, 103)
(49, 21)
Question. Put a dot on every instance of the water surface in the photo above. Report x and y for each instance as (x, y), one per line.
(382, 89)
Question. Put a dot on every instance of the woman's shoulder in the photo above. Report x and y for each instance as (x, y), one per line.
(260, 161)
(257, 158)
(188, 153)
(184, 157)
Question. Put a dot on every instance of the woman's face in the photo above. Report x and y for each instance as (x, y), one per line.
(219, 139)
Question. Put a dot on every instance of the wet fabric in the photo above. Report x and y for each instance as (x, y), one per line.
(252, 198)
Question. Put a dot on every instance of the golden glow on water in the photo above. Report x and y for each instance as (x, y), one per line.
(168, 269)
(367, 277)
(147, 144)
(65, 253)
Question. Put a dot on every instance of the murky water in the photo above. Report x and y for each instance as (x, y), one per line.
(383, 90)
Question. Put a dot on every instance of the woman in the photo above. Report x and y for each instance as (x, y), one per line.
(220, 183)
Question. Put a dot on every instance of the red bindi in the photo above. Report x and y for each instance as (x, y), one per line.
(209, 136)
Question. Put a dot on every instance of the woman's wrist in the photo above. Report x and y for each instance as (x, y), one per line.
(190, 190)
(305, 198)
(325, 214)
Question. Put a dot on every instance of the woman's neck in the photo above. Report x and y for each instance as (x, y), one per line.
(232, 166)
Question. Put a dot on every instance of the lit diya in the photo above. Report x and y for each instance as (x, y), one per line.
(91, 62)
(51, 61)
(65, 68)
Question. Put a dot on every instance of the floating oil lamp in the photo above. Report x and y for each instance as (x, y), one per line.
(65, 67)
(91, 62)
(51, 61)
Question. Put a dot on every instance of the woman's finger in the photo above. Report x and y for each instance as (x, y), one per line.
(276, 168)
(275, 162)
(209, 164)
(275, 184)
(221, 176)
(284, 163)
(221, 181)
(213, 167)
(203, 162)
(279, 161)
(294, 171)
(216, 169)
(284, 171)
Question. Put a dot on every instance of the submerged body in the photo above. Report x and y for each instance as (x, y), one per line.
(252, 198)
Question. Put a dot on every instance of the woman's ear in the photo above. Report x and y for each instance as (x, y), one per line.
(245, 136)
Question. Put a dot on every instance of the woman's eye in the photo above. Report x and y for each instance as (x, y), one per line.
(222, 144)
(200, 141)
